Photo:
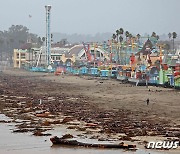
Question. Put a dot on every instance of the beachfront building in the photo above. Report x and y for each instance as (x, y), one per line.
(177, 81)
(143, 56)
(37, 56)
(170, 70)
(19, 58)
(78, 54)
(60, 55)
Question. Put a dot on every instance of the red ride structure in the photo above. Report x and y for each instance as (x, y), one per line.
(87, 51)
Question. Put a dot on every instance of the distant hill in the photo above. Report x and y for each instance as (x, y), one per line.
(79, 38)
(99, 37)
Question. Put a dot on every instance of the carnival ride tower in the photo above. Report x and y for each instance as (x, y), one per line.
(48, 34)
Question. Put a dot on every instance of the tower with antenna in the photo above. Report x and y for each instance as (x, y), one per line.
(48, 34)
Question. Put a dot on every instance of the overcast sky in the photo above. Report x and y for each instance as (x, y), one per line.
(93, 16)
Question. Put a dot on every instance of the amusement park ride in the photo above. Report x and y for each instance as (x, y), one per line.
(87, 51)
(48, 61)
(125, 60)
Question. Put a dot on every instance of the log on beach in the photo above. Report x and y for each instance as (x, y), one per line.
(60, 141)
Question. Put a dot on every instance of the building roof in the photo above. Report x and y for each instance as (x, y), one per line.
(76, 49)
(147, 48)
(59, 50)
(56, 45)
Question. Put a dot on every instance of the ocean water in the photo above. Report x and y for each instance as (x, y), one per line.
(24, 143)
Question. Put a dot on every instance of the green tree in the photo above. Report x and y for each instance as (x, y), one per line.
(13, 38)
(43, 39)
(40, 42)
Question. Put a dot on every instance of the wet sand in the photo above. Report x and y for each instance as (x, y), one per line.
(115, 108)
(18, 143)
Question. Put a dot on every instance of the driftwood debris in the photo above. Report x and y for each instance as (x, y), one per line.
(61, 141)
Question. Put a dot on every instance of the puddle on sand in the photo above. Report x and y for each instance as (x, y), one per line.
(25, 143)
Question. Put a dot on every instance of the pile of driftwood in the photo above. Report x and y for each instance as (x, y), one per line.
(63, 141)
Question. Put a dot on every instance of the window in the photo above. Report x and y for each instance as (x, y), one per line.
(23, 56)
(58, 57)
(53, 57)
(23, 64)
(17, 55)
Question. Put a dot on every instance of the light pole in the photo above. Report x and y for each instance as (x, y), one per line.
(48, 34)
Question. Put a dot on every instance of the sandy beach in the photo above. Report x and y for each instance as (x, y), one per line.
(105, 109)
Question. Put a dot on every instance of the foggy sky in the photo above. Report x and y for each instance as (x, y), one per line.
(93, 16)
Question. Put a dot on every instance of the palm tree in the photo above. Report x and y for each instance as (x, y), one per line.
(114, 37)
(130, 38)
(153, 34)
(121, 31)
(120, 39)
(127, 34)
(130, 35)
(117, 35)
(138, 37)
(169, 35)
(174, 35)
(157, 36)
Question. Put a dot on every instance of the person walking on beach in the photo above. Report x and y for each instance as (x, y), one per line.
(147, 101)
